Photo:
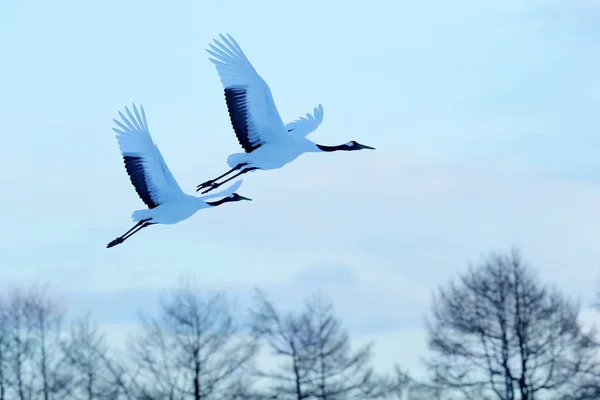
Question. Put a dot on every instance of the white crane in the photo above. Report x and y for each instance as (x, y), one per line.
(267, 142)
(153, 182)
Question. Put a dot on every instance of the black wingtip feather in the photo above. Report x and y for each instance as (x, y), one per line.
(238, 114)
(135, 169)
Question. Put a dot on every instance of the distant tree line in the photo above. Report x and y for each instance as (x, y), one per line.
(196, 348)
(496, 332)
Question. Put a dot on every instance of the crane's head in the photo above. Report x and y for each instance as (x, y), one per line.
(237, 197)
(354, 145)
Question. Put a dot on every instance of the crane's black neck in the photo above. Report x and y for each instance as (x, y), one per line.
(219, 202)
(333, 148)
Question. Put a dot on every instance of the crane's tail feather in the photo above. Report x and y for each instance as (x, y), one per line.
(236, 159)
(224, 193)
(139, 215)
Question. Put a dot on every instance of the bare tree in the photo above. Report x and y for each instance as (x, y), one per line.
(401, 385)
(318, 362)
(33, 364)
(500, 333)
(339, 372)
(194, 350)
(291, 339)
(588, 387)
(95, 375)
(45, 317)
(404, 387)
(3, 349)
(244, 388)
(20, 347)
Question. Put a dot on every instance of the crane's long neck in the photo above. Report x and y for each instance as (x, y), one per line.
(218, 202)
(332, 148)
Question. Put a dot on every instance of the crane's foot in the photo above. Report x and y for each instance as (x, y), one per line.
(115, 242)
(213, 186)
(205, 184)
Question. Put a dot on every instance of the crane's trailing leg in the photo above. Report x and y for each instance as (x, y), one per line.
(212, 181)
(136, 228)
(216, 185)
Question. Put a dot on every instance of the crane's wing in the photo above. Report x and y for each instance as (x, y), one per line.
(252, 111)
(146, 167)
(305, 125)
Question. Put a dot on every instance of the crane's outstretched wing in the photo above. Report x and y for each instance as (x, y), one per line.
(252, 111)
(305, 125)
(146, 167)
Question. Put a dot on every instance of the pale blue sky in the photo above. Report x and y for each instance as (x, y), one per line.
(484, 116)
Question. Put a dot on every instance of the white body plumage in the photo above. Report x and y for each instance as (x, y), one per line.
(171, 212)
(274, 155)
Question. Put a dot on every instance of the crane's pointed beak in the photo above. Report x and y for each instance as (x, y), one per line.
(245, 198)
(364, 146)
